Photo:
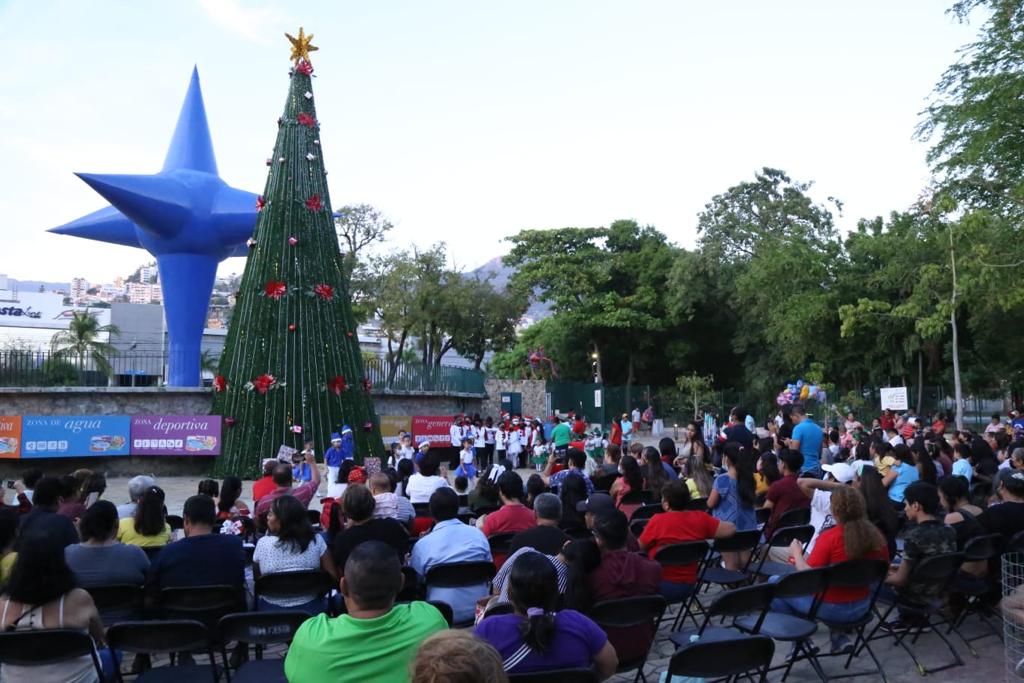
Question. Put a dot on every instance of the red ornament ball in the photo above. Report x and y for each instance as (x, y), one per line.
(292, 327)
(293, 241)
(229, 421)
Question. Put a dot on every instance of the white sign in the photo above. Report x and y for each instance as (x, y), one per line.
(894, 398)
(597, 398)
(41, 309)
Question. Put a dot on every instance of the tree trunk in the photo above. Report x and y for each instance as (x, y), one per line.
(920, 381)
(957, 388)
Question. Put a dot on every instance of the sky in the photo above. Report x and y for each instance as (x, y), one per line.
(467, 121)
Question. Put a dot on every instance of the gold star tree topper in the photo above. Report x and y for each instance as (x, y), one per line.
(301, 46)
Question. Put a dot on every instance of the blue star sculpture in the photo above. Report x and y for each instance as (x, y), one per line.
(185, 216)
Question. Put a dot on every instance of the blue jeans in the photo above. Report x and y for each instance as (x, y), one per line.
(836, 612)
(675, 592)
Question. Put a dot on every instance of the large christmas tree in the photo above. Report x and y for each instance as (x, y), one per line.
(292, 368)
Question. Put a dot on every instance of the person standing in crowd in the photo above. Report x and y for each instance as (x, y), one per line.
(451, 541)
(635, 419)
(515, 442)
(479, 442)
(342, 449)
(456, 432)
(807, 438)
(561, 435)
(736, 431)
(490, 440)
(467, 460)
(375, 639)
(627, 429)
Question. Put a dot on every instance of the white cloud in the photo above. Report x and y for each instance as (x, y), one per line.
(254, 23)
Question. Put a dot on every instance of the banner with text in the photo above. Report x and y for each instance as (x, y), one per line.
(432, 428)
(63, 436)
(175, 434)
(893, 398)
(391, 425)
(10, 436)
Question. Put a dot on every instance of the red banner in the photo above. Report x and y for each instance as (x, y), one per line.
(433, 428)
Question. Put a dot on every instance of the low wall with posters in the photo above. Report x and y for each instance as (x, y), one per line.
(107, 418)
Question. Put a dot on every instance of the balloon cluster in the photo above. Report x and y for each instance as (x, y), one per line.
(798, 392)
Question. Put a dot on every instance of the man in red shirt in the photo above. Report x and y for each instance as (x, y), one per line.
(282, 477)
(622, 574)
(784, 495)
(679, 525)
(262, 487)
(512, 517)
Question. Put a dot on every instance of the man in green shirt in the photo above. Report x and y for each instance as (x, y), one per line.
(377, 639)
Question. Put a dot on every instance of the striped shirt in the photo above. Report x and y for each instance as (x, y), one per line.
(501, 578)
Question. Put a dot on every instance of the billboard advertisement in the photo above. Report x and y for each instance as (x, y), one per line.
(390, 425)
(432, 428)
(175, 434)
(63, 436)
(10, 436)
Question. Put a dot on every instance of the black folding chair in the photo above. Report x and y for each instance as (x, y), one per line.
(856, 574)
(161, 637)
(1015, 544)
(699, 504)
(735, 603)
(637, 526)
(117, 602)
(741, 541)
(498, 608)
(556, 676)
(410, 586)
(500, 543)
(481, 510)
(445, 609)
(787, 627)
(422, 509)
(151, 553)
(293, 585)
(258, 629)
(723, 659)
(459, 575)
(782, 537)
(37, 648)
(626, 613)
(646, 511)
(974, 590)
(206, 604)
(680, 555)
(938, 571)
(762, 515)
(794, 517)
(314, 518)
(175, 522)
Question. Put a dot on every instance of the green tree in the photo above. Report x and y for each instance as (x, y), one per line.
(84, 340)
(358, 226)
(292, 368)
(486, 318)
(695, 389)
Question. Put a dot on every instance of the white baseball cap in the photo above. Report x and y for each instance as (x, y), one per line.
(840, 471)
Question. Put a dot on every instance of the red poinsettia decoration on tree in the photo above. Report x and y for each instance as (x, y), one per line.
(264, 383)
(306, 120)
(229, 421)
(314, 203)
(260, 203)
(325, 292)
(368, 427)
(367, 384)
(275, 289)
(337, 384)
(220, 383)
(305, 68)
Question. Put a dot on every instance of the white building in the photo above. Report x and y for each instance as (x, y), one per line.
(30, 319)
(79, 287)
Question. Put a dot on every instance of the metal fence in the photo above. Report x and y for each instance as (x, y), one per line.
(128, 369)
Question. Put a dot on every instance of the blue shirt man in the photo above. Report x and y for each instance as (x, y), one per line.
(807, 438)
(451, 541)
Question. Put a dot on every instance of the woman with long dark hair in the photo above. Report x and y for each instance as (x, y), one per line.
(699, 479)
(876, 499)
(148, 527)
(572, 492)
(631, 482)
(229, 505)
(41, 595)
(485, 494)
(734, 495)
(291, 545)
(537, 637)
(653, 471)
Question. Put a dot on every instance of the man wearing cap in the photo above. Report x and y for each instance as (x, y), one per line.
(820, 493)
(341, 449)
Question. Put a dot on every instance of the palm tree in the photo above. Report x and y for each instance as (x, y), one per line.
(82, 340)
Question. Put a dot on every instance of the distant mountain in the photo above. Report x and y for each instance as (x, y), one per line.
(499, 275)
(33, 285)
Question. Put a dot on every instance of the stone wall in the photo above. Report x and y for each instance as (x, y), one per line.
(534, 393)
(169, 401)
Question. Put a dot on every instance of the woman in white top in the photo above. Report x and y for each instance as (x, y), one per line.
(40, 595)
(424, 482)
(291, 546)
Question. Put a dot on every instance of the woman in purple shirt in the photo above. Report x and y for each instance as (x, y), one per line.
(536, 637)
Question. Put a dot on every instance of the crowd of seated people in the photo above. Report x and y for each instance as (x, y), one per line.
(568, 542)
